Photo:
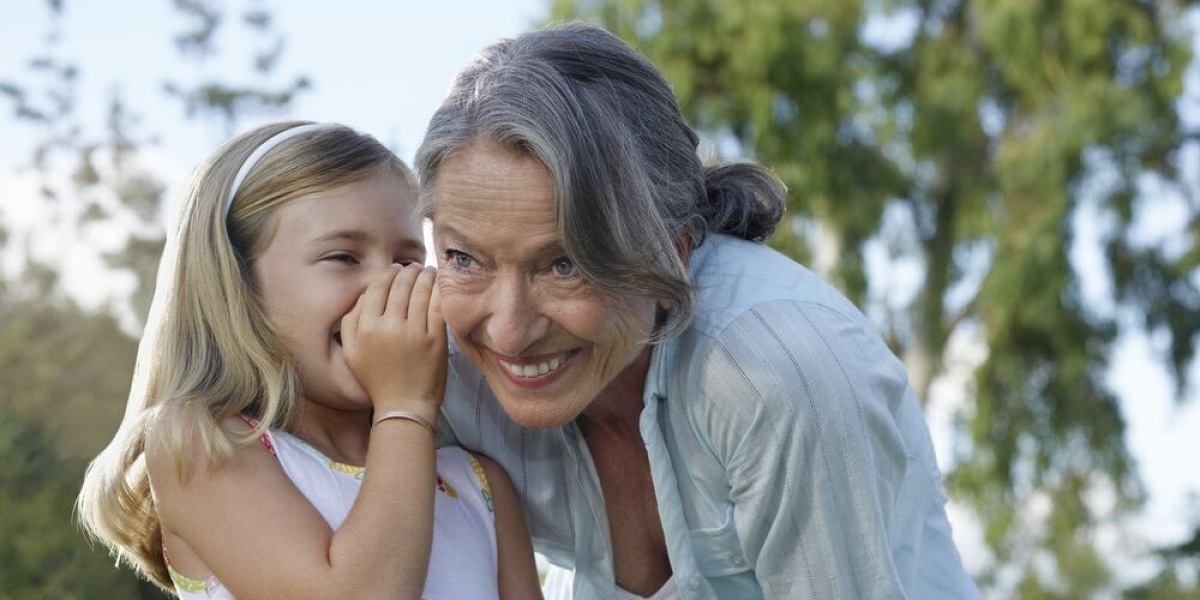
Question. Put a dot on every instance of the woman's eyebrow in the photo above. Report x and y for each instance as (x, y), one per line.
(449, 230)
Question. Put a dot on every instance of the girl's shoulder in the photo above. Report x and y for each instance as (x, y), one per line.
(181, 444)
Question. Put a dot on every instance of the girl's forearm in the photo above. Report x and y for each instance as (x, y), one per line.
(385, 542)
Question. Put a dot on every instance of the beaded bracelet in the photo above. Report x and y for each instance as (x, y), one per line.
(406, 415)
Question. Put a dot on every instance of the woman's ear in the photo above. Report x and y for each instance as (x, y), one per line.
(683, 246)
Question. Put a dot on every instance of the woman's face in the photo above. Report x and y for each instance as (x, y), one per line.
(547, 340)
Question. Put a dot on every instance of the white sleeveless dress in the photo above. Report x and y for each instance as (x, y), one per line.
(463, 564)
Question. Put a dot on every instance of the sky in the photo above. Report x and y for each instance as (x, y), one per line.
(377, 66)
(382, 67)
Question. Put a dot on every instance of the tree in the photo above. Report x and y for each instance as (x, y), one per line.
(107, 182)
(1180, 576)
(65, 370)
(61, 368)
(42, 557)
(959, 142)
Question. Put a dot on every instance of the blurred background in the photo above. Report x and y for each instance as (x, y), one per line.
(1009, 188)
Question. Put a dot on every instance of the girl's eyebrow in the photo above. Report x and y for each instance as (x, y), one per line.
(359, 236)
(347, 235)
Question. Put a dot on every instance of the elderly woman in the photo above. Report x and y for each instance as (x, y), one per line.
(684, 412)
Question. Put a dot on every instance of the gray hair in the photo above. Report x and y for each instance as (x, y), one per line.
(629, 188)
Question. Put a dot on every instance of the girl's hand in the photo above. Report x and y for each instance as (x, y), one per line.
(394, 340)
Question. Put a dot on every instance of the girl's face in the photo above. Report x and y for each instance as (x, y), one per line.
(324, 249)
(548, 342)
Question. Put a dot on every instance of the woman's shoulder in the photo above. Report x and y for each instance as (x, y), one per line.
(772, 335)
(785, 348)
(736, 279)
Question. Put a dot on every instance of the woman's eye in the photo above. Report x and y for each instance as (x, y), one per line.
(459, 260)
(563, 267)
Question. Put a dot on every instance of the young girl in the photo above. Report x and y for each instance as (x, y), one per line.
(278, 437)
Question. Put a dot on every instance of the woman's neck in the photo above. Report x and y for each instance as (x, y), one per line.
(620, 404)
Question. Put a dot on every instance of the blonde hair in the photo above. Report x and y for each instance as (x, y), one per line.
(208, 351)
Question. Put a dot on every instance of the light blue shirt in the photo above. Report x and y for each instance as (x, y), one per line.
(789, 456)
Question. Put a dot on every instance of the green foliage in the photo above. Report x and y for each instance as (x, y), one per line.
(107, 181)
(1170, 584)
(65, 371)
(966, 140)
(65, 375)
(1180, 577)
(43, 554)
(220, 99)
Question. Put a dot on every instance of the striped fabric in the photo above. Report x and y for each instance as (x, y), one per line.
(789, 456)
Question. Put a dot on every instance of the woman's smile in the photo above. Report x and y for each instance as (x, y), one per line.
(528, 369)
(546, 339)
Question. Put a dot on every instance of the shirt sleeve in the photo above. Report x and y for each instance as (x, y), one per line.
(800, 404)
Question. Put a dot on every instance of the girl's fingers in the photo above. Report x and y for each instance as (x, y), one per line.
(418, 303)
(375, 298)
(350, 324)
(401, 289)
(434, 318)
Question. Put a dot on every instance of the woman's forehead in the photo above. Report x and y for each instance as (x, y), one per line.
(491, 183)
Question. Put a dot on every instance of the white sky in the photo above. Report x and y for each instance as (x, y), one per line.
(382, 67)
(377, 66)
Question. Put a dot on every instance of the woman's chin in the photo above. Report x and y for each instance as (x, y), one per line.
(535, 414)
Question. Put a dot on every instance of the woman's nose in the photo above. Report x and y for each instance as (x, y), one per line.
(516, 320)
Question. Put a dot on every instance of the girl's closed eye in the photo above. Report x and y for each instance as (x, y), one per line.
(340, 257)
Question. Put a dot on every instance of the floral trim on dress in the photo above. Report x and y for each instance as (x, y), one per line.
(483, 482)
(335, 466)
(264, 438)
(339, 467)
(266, 441)
(187, 584)
(446, 488)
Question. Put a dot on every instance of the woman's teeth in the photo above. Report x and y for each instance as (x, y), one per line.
(535, 369)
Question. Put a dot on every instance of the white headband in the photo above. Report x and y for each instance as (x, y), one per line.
(262, 151)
